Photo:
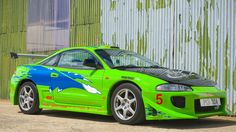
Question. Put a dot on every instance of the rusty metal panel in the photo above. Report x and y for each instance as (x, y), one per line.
(194, 35)
(85, 22)
(12, 38)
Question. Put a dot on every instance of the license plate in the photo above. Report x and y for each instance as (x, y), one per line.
(210, 102)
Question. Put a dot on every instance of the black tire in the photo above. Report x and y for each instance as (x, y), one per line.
(139, 115)
(34, 109)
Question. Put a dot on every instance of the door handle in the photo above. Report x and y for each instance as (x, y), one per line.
(54, 75)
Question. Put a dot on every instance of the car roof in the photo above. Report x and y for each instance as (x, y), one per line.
(91, 47)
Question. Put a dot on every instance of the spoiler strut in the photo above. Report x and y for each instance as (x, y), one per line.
(17, 55)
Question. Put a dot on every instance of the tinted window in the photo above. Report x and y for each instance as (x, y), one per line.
(75, 59)
(51, 61)
(118, 57)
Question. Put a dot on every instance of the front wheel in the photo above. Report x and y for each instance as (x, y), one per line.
(127, 104)
(28, 100)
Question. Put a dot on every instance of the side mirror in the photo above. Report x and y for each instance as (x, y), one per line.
(90, 63)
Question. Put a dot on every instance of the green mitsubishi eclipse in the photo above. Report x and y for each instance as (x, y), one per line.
(107, 80)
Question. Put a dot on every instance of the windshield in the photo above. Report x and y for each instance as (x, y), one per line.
(117, 58)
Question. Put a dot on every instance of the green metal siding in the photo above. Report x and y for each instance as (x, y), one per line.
(85, 27)
(84, 30)
(13, 15)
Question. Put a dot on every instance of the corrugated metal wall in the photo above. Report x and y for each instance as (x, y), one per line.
(13, 15)
(194, 35)
(85, 26)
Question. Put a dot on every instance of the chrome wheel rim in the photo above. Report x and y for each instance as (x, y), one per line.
(26, 98)
(125, 104)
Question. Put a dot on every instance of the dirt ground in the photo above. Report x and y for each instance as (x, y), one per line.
(11, 119)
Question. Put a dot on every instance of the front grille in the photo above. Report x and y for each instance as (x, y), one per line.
(199, 109)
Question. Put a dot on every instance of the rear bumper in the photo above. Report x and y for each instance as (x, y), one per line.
(186, 107)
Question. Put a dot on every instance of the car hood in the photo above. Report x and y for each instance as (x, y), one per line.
(174, 76)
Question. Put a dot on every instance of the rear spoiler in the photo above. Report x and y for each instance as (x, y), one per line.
(17, 55)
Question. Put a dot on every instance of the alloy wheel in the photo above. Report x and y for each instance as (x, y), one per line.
(125, 104)
(26, 98)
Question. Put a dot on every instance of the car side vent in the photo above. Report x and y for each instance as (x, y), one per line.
(178, 101)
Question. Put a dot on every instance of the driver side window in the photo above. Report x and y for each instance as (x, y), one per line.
(75, 59)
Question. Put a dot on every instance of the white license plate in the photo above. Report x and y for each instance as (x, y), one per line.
(210, 102)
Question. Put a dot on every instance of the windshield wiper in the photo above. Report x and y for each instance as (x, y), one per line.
(132, 66)
(122, 67)
(155, 66)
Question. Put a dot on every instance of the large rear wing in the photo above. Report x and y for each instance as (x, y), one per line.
(17, 55)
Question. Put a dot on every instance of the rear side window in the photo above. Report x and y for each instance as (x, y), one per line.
(75, 59)
(51, 61)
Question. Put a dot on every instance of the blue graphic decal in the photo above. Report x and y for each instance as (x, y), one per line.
(63, 80)
(73, 75)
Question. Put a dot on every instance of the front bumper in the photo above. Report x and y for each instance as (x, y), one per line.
(161, 105)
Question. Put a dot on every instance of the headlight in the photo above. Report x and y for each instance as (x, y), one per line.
(173, 87)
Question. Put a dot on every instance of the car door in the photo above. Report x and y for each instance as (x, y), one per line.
(75, 83)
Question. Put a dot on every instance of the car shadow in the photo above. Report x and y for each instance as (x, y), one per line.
(77, 115)
(192, 124)
(168, 124)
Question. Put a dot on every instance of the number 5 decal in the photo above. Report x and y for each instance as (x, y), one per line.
(159, 99)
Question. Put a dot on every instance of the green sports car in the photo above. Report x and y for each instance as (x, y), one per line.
(107, 80)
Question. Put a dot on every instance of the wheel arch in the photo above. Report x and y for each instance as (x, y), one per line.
(113, 89)
(17, 89)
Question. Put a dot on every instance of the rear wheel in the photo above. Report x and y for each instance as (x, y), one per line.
(28, 100)
(127, 104)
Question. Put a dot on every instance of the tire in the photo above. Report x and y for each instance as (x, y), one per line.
(124, 109)
(28, 99)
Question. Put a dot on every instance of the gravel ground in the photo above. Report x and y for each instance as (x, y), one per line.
(11, 119)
